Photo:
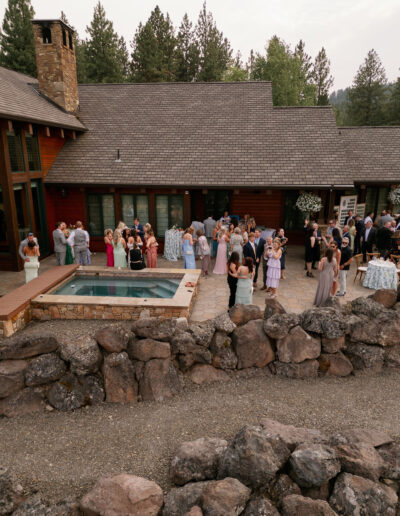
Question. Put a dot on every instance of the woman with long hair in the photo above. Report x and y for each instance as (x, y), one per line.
(151, 250)
(274, 266)
(245, 275)
(337, 255)
(328, 268)
(310, 243)
(136, 261)
(352, 233)
(232, 269)
(216, 230)
(108, 237)
(220, 262)
(189, 260)
(119, 246)
(204, 249)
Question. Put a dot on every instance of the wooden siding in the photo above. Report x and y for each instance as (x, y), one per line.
(265, 208)
(49, 146)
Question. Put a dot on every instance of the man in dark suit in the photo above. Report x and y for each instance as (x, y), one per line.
(359, 230)
(138, 227)
(259, 243)
(368, 237)
(250, 251)
(384, 239)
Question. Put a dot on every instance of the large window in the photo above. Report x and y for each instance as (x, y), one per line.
(169, 212)
(32, 149)
(15, 152)
(3, 224)
(101, 213)
(134, 206)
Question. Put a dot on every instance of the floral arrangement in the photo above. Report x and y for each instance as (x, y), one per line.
(394, 196)
(309, 203)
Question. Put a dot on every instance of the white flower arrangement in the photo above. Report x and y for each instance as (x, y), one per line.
(394, 196)
(309, 203)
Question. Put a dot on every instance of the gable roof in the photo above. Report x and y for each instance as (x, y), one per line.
(373, 153)
(197, 134)
(20, 100)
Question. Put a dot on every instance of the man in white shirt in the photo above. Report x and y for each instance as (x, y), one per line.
(79, 241)
(226, 220)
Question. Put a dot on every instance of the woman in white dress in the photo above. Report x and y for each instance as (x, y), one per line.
(31, 266)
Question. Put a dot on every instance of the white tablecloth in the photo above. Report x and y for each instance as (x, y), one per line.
(173, 245)
(381, 274)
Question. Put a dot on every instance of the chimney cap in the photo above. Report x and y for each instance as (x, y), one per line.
(51, 21)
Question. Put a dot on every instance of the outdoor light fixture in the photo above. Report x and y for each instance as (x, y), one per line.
(118, 160)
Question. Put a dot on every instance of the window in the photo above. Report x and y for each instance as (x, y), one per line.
(169, 212)
(3, 224)
(101, 213)
(15, 152)
(64, 34)
(134, 206)
(32, 149)
(71, 46)
(46, 34)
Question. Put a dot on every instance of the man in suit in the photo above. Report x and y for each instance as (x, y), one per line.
(60, 242)
(250, 251)
(79, 241)
(349, 217)
(259, 243)
(264, 261)
(368, 237)
(209, 225)
(138, 226)
(357, 238)
(24, 243)
(384, 239)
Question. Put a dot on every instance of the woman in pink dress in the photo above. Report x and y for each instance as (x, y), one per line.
(108, 233)
(222, 258)
(151, 250)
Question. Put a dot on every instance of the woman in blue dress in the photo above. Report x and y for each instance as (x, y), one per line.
(244, 290)
(187, 249)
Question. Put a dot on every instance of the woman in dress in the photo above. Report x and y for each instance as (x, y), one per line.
(337, 255)
(32, 253)
(133, 239)
(69, 256)
(244, 290)
(119, 246)
(232, 270)
(245, 235)
(281, 235)
(136, 261)
(310, 242)
(205, 253)
(189, 261)
(216, 230)
(236, 243)
(146, 229)
(220, 262)
(151, 250)
(251, 227)
(337, 237)
(274, 266)
(108, 236)
(328, 268)
(352, 233)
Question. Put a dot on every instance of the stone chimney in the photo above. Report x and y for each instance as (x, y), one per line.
(56, 63)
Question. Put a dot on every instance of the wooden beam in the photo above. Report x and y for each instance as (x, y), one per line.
(47, 131)
(73, 135)
(30, 129)
(62, 133)
(10, 126)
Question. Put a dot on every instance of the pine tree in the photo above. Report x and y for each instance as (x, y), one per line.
(236, 71)
(105, 52)
(302, 62)
(322, 77)
(367, 94)
(187, 52)
(215, 51)
(17, 49)
(154, 49)
(393, 108)
(282, 70)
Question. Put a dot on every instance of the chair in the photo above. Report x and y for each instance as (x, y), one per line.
(370, 256)
(360, 270)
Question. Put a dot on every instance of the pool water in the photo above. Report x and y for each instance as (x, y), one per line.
(119, 287)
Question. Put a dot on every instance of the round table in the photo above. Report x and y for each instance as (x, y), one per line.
(173, 245)
(381, 274)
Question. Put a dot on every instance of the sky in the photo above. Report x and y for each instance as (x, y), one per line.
(347, 29)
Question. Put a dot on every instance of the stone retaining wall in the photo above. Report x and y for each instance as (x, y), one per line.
(10, 326)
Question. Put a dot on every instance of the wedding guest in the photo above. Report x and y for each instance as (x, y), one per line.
(225, 219)
(123, 228)
(337, 237)
(369, 217)
(384, 218)
(204, 252)
(24, 243)
(284, 240)
(232, 270)
(259, 242)
(245, 235)
(311, 237)
(359, 227)
(146, 229)
(209, 225)
(267, 248)
(69, 253)
(151, 250)
(136, 261)
(346, 230)
(79, 241)
(346, 258)
(317, 247)
(138, 227)
(119, 246)
(133, 239)
(350, 216)
(352, 233)
(250, 251)
(368, 238)
(337, 255)
(236, 243)
(274, 266)
(220, 262)
(108, 236)
(31, 266)
(216, 230)
(384, 239)
(245, 275)
(328, 268)
(188, 250)
(251, 225)
(60, 242)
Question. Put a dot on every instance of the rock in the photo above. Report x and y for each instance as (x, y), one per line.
(385, 297)
(272, 307)
(159, 381)
(227, 497)
(311, 465)
(302, 506)
(252, 346)
(332, 302)
(223, 356)
(181, 500)
(94, 390)
(202, 332)
(44, 369)
(390, 454)
(181, 324)
(35, 506)
(123, 495)
(224, 323)
(279, 487)
(11, 493)
(113, 338)
(361, 435)
(196, 460)
(324, 321)
(260, 506)
(306, 369)
(363, 356)
(333, 345)
(26, 346)
(297, 346)
(253, 457)
(119, 379)
(289, 434)
(353, 495)
(383, 330)
(12, 376)
(20, 403)
(242, 314)
(278, 326)
(146, 349)
(188, 352)
(83, 355)
(367, 306)
(205, 374)
(68, 393)
(195, 511)
(335, 364)
(392, 357)
(360, 459)
(155, 328)
(317, 493)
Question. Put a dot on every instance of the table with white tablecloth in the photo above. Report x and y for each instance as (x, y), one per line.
(173, 245)
(381, 274)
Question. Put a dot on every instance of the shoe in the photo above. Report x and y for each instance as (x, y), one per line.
(310, 274)
(339, 294)
(272, 296)
(313, 267)
(263, 288)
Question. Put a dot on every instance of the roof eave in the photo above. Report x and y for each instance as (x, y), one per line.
(9, 116)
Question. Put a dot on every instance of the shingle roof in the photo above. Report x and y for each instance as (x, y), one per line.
(197, 134)
(20, 100)
(373, 153)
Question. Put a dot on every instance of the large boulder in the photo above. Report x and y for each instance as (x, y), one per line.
(123, 495)
(11, 492)
(119, 379)
(280, 486)
(353, 495)
(278, 326)
(12, 376)
(146, 349)
(385, 297)
(325, 321)
(289, 434)
(44, 369)
(94, 389)
(333, 345)
(224, 323)
(312, 465)
(335, 364)
(179, 501)
(368, 307)
(20, 403)
(383, 330)
(83, 354)
(242, 314)
(155, 328)
(227, 497)
(306, 369)
(253, 457)
(113, 338)
(360, 459)
(390, 454)
(202, 373)
(187, 352)
(196, 460)
(159, 381)
(252, 346)
(26, 346)
(223, 356)
(195, 511)
(365, 357)
(302, 506)
(68, 393)
(392, 357)
(260, 506)
(297, 346)
(372, 437)
(272, 307)
(202, 332)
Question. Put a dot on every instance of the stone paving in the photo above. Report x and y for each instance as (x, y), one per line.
(296, 292)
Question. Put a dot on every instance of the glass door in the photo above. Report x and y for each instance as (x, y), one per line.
(39, 211)
(3, 224)
(22, 209)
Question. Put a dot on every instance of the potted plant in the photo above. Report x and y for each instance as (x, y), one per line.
(309, 203)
